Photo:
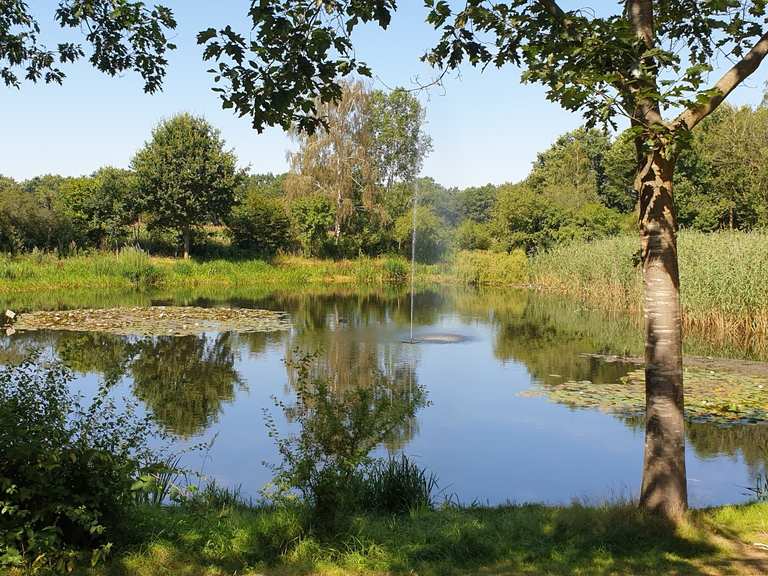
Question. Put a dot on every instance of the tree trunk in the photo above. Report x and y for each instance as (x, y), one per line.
(187, 242)
(337, 224)
(664, 488)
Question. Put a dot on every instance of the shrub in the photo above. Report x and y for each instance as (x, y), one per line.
(327, 459)
(524, 219)
(66, 469)
(260, 225)
(481, 268)
(471, 235)
(312, 217)
(430, 237)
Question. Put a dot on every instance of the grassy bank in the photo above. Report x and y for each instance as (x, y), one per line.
(135, 269)
(530, 539)
(723, 276)
(131, 269)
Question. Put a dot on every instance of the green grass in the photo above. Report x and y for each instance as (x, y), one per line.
(527, 539)
(481, 268)
(131, 269)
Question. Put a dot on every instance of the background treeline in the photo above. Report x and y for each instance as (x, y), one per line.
(350, 189)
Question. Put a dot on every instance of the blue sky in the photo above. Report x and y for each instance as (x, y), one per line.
(486, 127)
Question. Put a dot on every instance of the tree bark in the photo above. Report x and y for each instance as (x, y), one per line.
(187, 234)
(664, 488)
(337, 223)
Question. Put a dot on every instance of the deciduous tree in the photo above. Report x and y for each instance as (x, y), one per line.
(185, 176)
(626, 62)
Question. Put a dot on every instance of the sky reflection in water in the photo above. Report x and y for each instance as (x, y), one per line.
(486, 442)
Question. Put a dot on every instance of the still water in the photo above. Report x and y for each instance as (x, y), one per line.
(485, 436)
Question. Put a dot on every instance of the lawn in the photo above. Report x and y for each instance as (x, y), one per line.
(507, 540)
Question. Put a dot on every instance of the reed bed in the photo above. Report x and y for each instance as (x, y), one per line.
(723, 278)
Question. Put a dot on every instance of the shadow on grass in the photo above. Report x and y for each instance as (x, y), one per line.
(509, 540)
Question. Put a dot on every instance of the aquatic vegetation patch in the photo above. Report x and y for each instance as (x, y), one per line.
(719, 397)
(157, 320)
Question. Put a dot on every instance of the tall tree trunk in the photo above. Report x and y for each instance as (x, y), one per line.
(337, 224)
(187, 234)
(664, 488)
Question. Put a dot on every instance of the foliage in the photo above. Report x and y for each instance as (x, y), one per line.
(397, 486)
(313, 216)
(123, 35)
(431, 241)
(260, 225)
(66, 469)
(30, 216)
(590, 222)
(101, 207)
(399, 144)
(571, 172)
(525, 219)
(327, 458)
(482, 268)
(620, 166)
(476, 203)
(471, 235)
(371, 142)
(721, 179)
(185, 177)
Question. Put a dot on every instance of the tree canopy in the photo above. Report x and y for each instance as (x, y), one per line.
(119, 35)
(185, 176)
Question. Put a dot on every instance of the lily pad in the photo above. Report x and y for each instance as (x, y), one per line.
(719, 397)
(156, 320)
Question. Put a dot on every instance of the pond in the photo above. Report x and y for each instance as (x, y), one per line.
(497, 428)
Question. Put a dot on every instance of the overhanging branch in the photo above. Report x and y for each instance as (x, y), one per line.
(730, 80)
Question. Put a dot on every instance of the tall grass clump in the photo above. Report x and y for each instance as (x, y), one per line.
(136, 266)
(485, 268)
(398, 485)
(602, 272)
(396, 270)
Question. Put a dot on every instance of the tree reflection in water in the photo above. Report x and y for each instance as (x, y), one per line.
(184, 380)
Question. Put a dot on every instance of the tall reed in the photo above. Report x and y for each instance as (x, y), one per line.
(723, 279)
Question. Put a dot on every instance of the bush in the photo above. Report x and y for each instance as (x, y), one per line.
(471, 235)
(481, 268)
(430, 238)
(525, 219)
(66, 470)
(260, 225)
(312, 217)
(327, 460)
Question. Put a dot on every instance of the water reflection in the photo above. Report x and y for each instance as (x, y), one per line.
(196, 384)
(185, 380)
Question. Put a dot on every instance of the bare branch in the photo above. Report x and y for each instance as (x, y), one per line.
(730, 80)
